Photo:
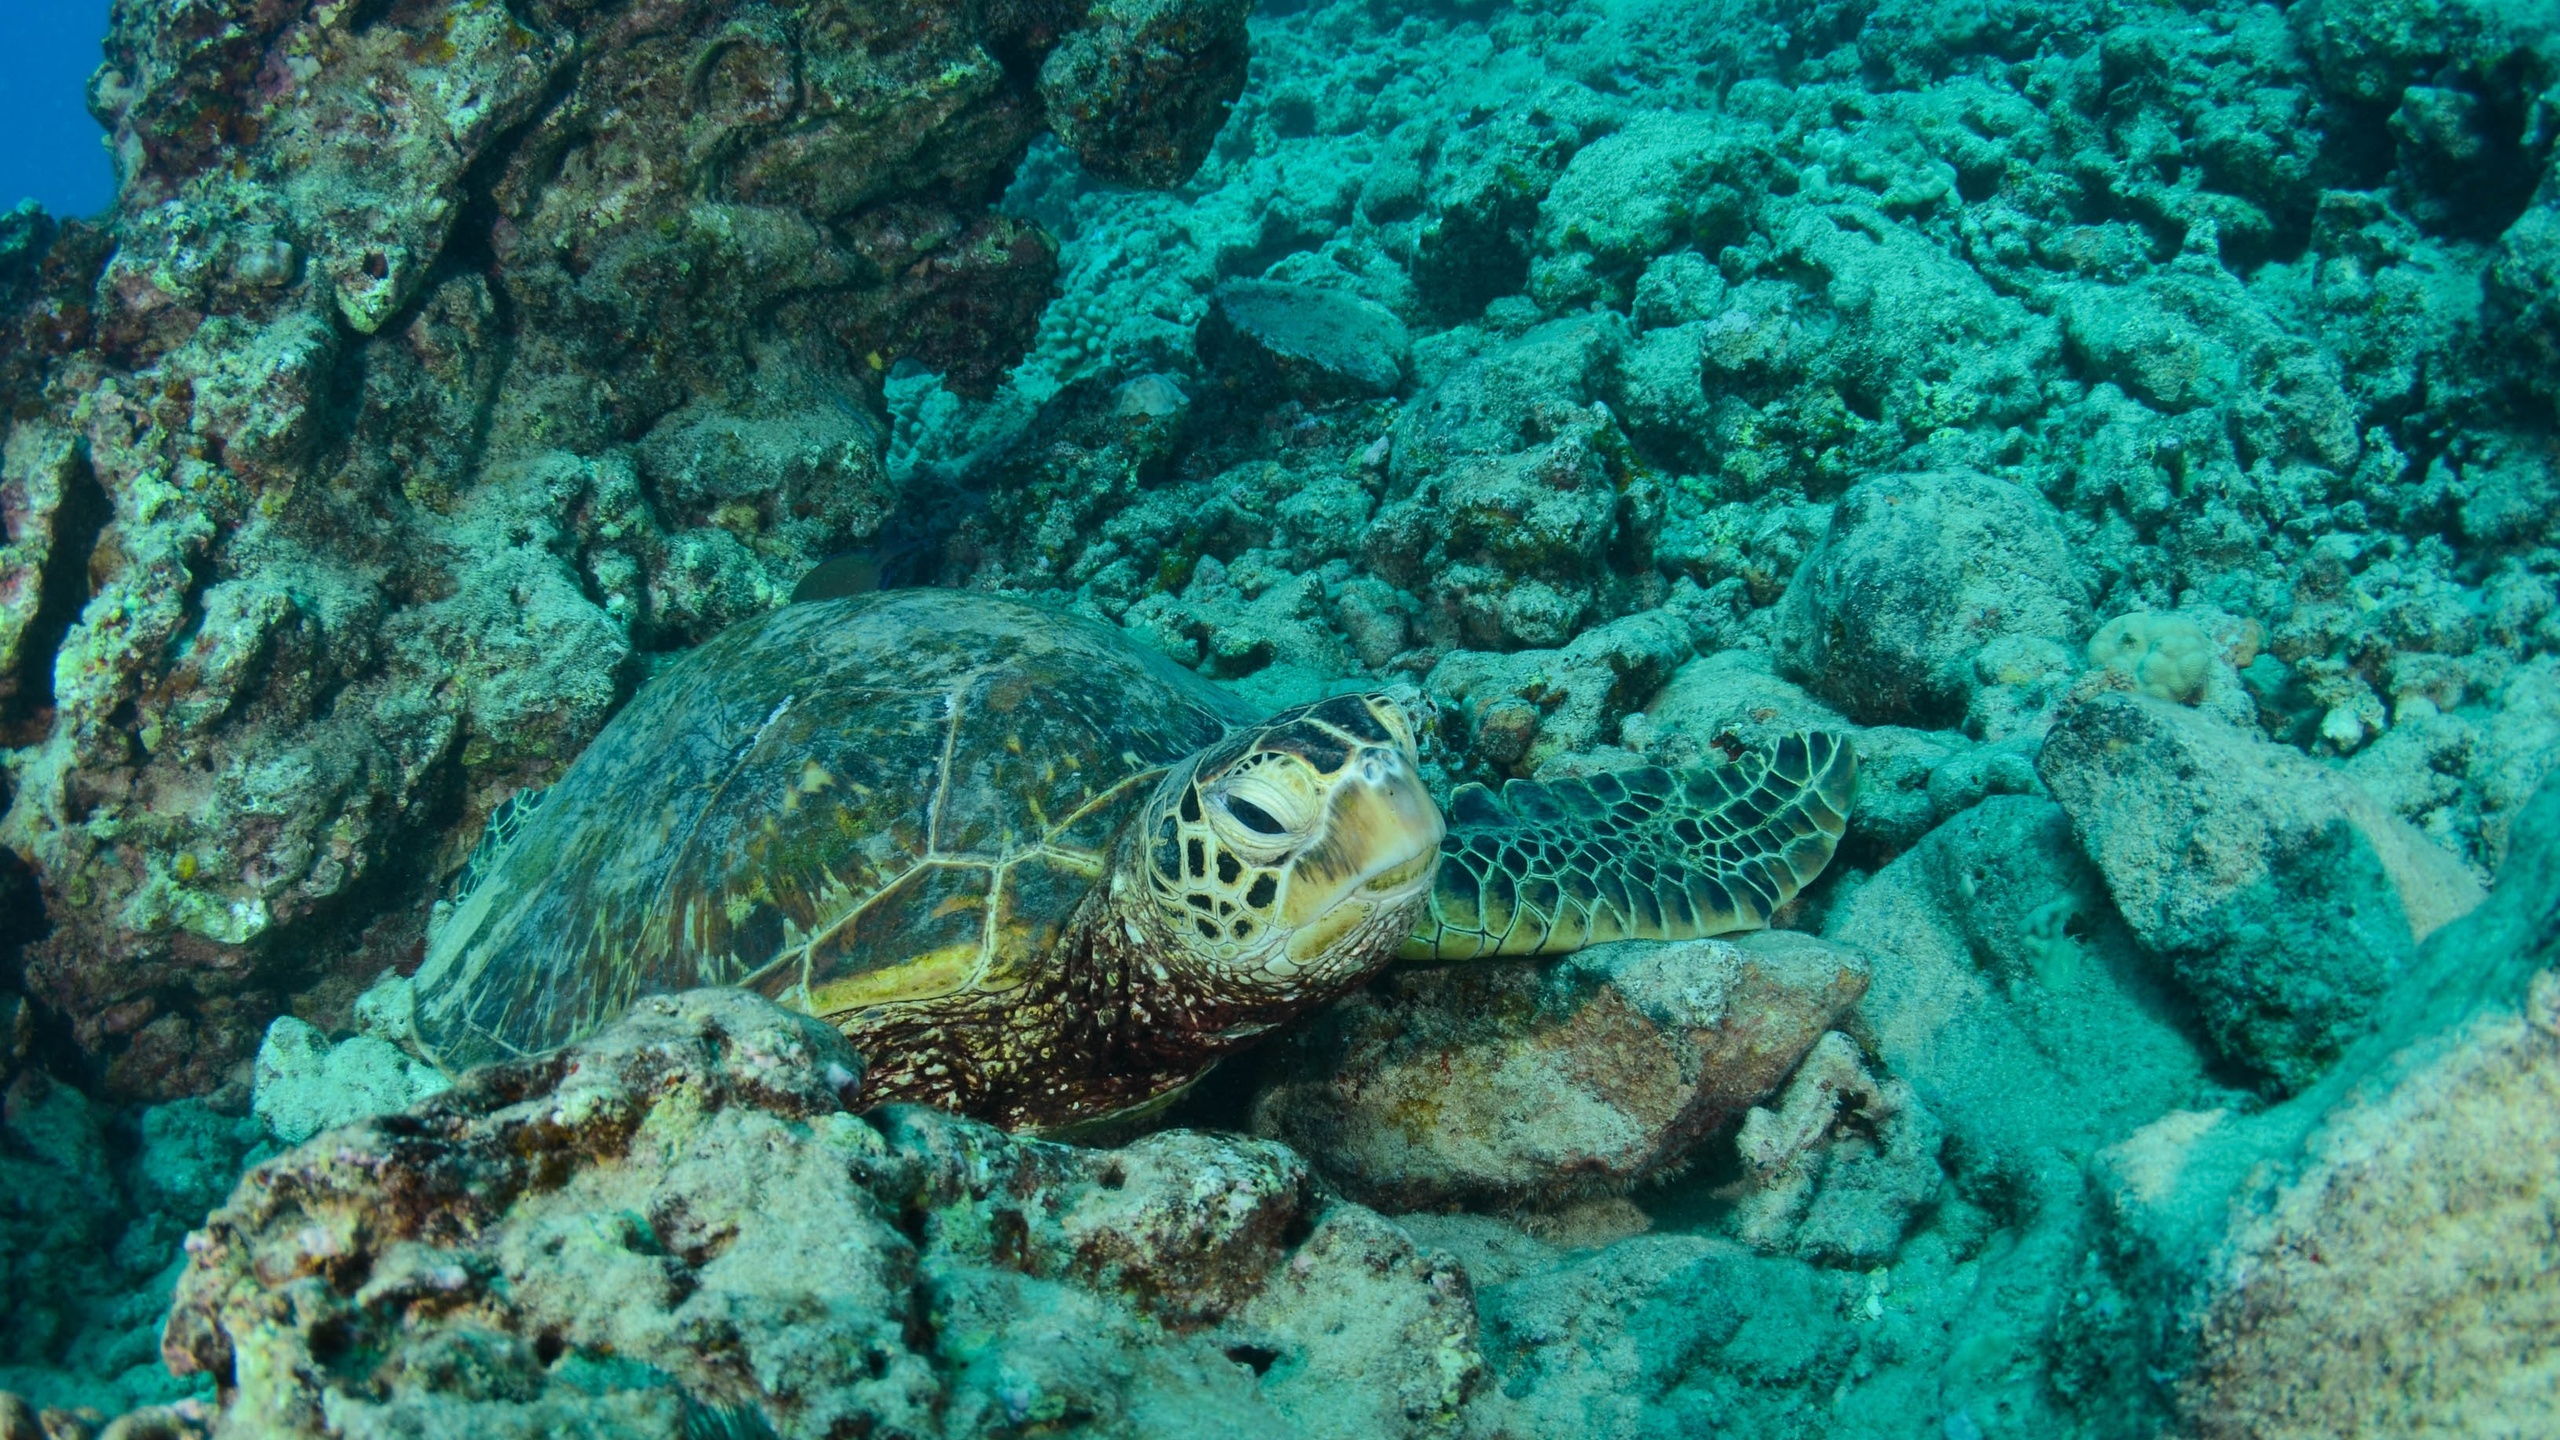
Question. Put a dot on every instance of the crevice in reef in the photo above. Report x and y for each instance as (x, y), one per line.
(78, 521)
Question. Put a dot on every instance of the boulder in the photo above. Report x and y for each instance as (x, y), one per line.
(1917, 574)
(2283, 898)
(1315, 345)
(2373, 1257)
(2010, 997)
(678, 1228)
(1524, 1083)
(1139, 90)
(303, 1085)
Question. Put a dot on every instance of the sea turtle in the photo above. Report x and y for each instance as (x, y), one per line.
(1041, 874)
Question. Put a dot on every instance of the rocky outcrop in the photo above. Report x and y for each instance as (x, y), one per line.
(678, 1224)
(440, 363)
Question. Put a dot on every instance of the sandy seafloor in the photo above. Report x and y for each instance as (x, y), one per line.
(2136, 426)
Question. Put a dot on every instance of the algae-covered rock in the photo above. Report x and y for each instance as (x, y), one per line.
(1317, 345)
(2417, 1241)
(2285, 900)
(1917, 574)
(1666, 181)
(678, 1224)
(304, 1085)
(1139, 88)
(1515, 509)
(438, 363)
(2372, 1257)
(1510, 1083)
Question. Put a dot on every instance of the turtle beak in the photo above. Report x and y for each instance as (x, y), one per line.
(1379, 851)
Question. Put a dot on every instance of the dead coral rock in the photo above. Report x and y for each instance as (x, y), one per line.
(1517, 711)
(440, 360)
(1917, 574)
(1317, 345)
(1139, 91)
(1516, 509)
(679, 1224)
(2285, 900)
(1513, 1083)
(1838, 1167)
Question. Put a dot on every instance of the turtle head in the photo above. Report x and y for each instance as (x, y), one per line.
(1297, 854)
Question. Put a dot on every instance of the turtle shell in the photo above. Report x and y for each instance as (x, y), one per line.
(847, 804)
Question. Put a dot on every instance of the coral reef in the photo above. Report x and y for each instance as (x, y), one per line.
(2135, 422)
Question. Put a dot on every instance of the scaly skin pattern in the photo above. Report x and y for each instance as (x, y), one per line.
(1264, 876)
(1640, 854)
(1118, 1021)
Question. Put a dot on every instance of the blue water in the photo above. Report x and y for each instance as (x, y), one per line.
(49, 147)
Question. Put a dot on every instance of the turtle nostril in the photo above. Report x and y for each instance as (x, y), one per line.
(1254, 818)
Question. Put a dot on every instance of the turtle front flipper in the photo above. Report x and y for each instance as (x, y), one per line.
(1643, 854)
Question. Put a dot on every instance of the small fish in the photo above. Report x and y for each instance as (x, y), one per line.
(854, 572)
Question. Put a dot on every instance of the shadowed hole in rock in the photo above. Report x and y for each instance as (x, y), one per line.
(1257, 1358)
(63, 592)
(332, 1341)
(1302, 1227)
(1009, 1239)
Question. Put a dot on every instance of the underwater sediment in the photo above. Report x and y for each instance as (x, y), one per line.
(2136, 425)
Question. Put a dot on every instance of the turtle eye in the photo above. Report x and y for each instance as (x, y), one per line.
(1262, 812)
(1253, 817)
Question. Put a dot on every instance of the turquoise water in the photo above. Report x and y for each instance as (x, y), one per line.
(446, 508)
